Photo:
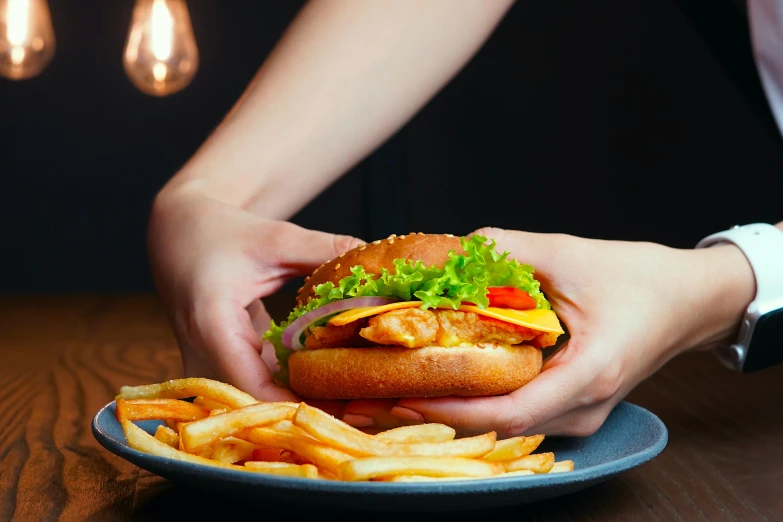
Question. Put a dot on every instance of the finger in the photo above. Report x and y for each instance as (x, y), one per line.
(228, 336)
(374, 413)
(549, 395)
(302, 250)
(539, 250)
(260, 320)
(516, 242)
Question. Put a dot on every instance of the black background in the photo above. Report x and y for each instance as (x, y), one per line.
(610, 119)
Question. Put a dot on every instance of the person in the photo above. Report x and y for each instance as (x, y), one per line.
(219, 240)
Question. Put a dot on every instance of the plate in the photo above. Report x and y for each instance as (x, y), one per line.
(630, 437)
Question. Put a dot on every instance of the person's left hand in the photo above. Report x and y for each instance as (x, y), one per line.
(629, 307)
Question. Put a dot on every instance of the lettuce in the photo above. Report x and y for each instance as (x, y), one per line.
(462, 278)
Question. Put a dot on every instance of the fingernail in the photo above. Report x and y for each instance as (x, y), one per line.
(358, 421)
(405, 413)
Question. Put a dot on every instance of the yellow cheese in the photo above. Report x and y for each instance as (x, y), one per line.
(540, 320)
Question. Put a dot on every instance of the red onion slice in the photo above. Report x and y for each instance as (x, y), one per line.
(293, 332)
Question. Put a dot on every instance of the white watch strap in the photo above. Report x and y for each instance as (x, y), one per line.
(762, 244)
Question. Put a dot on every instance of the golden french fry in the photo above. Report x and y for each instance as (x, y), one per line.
(190, 387)
(327, 475)
(562, 466)
(140, 440)
(218, 411)
(418, 433)
(286, 426)
(293, 458)
(172, 425)
(296, 470)
(320, 454)
(267, 455)
(232, 450)
(537, 463)
(167, 436)
(518, 473)
(513, 448)
(158, 409)
(424, 478)
(337, 433)
(372, 467)
(206, 431)
(210, 404)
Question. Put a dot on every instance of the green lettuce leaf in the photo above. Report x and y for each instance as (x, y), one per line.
(463, 278)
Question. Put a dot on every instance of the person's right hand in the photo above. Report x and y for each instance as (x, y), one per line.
(212, 263)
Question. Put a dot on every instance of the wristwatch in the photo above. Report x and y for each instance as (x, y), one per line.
(760, 340)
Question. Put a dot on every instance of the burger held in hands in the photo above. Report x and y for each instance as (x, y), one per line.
(419, 315)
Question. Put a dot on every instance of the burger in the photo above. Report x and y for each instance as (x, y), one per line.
(417, 315)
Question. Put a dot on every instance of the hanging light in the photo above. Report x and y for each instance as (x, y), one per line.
(161, 56)
(26, 38)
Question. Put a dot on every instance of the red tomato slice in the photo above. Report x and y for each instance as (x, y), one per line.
(510, 297)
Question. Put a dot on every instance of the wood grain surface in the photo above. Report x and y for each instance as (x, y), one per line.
(63, 357)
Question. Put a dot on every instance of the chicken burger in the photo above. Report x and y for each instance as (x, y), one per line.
(418, 315)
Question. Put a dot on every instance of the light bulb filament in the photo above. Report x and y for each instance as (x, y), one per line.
(18, 21)
(159, 71)
(162, 30)
(17, 55)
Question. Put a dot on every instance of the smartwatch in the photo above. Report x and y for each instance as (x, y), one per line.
(760, 340)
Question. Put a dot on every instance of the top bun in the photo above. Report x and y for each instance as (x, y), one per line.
(430, 249)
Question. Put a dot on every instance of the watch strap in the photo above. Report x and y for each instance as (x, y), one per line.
(762, 245)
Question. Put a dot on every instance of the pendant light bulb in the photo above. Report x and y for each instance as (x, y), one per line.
(26, 38)
(161, 56)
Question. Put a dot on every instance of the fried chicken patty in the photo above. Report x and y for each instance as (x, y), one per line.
(416, 328)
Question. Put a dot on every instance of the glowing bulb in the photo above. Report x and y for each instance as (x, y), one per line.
(161, 56)
(26, 38)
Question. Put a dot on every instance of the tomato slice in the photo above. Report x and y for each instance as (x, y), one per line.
(510, 297)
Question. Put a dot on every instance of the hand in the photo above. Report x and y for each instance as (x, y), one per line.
(628, 307)
(212, 263)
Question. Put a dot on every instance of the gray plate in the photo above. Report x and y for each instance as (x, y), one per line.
(630, 436)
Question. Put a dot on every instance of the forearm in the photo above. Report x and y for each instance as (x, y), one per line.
(346, 75)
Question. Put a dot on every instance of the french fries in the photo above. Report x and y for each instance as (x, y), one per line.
(372, 467)
(227, 428)
(418, 433)
(152, 409)
(197, 434)
(514, 448)
(141, 440)
(539, 463)
(167, 436)
(191, 387)
(323, 426)
(231, 450)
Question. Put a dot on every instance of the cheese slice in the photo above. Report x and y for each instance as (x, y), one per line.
(540, 320)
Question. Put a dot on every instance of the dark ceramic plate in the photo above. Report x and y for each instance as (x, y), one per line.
(630, 436)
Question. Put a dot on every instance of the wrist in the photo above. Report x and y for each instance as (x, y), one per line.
(723, 285)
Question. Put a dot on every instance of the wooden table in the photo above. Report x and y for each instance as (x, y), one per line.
(63, 357)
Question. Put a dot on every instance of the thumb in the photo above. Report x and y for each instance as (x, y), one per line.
(537, 249)
(301, 250)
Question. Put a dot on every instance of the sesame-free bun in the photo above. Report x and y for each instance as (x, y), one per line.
(430, 249)
(393, 372)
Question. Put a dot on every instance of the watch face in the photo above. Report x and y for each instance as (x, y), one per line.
(766, 347)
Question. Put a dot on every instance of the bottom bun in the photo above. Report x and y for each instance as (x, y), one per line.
(433, 371)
